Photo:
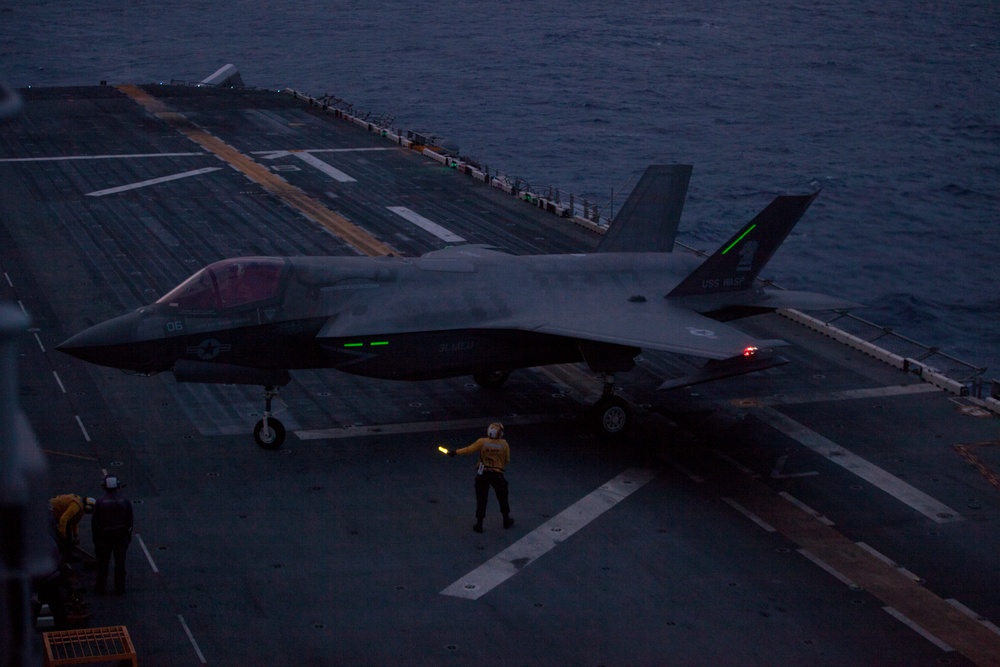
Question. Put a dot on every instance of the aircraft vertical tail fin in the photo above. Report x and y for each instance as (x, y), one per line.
(648, 220)
(737, 263)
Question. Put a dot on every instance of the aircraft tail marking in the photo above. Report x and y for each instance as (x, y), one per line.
(648, 220)
(736, 265)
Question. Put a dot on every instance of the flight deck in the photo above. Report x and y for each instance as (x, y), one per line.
(836, 509)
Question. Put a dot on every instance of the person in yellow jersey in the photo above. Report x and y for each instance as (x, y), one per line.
(494, 455)
(65, 514)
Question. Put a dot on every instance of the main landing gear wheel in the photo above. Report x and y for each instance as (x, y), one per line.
(612, 416)
(269, 433)
(492, 379)
(270, 436)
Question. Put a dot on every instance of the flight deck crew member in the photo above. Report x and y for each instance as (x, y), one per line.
(112, 527)
(65, 514)
(494, 455)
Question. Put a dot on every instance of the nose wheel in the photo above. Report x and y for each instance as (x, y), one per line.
(492, 379)
(612, 413)
(269, 433)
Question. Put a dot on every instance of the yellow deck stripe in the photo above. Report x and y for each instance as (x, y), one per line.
(966, 635)
(984, 470)
(308, 206)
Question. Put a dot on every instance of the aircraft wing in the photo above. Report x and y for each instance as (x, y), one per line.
(664, 326)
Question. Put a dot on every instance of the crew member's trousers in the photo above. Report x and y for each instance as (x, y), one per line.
(483, 483)
(104, 548)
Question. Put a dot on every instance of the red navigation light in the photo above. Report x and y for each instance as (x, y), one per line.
(750, 351)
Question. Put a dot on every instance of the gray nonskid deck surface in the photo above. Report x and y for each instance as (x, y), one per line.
(742, 548)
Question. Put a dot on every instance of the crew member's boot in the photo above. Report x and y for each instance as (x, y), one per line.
(507, 521)
(479, 526)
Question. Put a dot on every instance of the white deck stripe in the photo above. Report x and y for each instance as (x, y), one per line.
(973, 615)
(132, 156)
(152, 181)
(543, 539)
(327, 169)
(750, 515)
(348, 150)
(890, 562)
(190, 637)
(86, 436)
(805, 508)
(62, 158)
(149, 556)
(895, 613)
(867, 471)
(270, 155)
(848, 395)
(426, 225)
(826, 567)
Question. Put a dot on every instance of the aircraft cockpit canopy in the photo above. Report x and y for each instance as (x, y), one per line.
(230, 283)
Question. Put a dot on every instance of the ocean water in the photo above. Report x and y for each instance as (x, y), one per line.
(891, 108)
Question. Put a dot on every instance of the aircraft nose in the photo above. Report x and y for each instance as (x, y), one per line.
(111, 343)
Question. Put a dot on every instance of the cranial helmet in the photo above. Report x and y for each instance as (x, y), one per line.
(88, 505)
(111, 482)
(495, 430)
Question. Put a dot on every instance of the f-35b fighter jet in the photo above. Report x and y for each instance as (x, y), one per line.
(470, 310)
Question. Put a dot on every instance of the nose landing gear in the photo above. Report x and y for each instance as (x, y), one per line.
(612, 413)
(269, 433)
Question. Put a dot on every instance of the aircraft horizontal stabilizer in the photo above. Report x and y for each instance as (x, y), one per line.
(762, 359)
(671, 328)
(804, 301)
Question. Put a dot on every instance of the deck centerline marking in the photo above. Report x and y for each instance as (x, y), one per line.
(546, 537)
(308, 206)
(324, 167)
(190, 637)
(86, 436)
(149, 556)
(871, 473)
(152, 181)
(413, 427)
(426, 224)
